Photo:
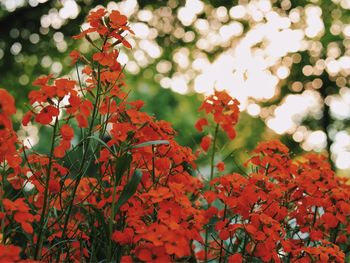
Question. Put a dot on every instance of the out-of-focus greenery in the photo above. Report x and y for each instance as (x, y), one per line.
(36, 40)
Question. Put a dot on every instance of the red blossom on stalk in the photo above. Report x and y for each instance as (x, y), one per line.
(20, 211)
(9, 253)
(8, 137)
(205, 143)
(224, 109)
(75, 56)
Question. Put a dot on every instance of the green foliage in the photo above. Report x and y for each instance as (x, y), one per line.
(27, 50)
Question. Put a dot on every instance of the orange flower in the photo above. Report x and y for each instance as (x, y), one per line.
(82, 121)
(235, 258)
(224, 109)
(200, 123)
(42, 81)
(7, 103)
(160, 194)
(205, 143)
(61, 149)
(105, 59)
(126, 259)
(81, 109)
(123, 237)
(117, 19)
(210, 196)
(67, 132)
(20, 211)
(64, 87)
(75, 56)
(27, 118)
(120, 132)
(9, 253)
(47, 114)
(270, 147)
(94, 18)
(220, 166)
(152, 254)
(330, 220)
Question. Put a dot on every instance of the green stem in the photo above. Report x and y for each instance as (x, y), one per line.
(42, 222)
(211, 178)
(153, 166)
(3, 176)
(86, 148)
(213, 153)
(222, 241)
(109, 251)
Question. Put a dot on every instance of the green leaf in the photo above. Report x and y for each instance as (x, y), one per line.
(122, 163)
(101, 219)
(104, 144)
(129, 189)
(150, 143)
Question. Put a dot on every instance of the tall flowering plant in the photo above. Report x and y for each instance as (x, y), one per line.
(133, 194)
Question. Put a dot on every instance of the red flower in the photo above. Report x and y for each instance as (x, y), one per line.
(94, 18)
(220, 166)
(224, 109)
(7, 103)
(60, 150)
(82, 121)
(46, 115)
(330, 220)
(117, 19)
(126, 259)
(14, 159)
(74, 55)
(105, 59)
(200, 123)
(20, 211)
(235, 258)
(67, 132)
(205, 143)
(9, 253)
(27, 118)
(121, 38)
(120, 132)
(160, 194)
(123, 237)
(210, 196)
(64, 87)
(42, 81)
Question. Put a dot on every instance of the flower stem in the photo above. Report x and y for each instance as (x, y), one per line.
(86, 148)
(42, 222)
(213, 153)
(109, 250)
(211, 178)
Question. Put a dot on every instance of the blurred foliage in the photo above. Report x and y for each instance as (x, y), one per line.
(28, 49)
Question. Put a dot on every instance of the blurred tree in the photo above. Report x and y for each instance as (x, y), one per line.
(286, 61)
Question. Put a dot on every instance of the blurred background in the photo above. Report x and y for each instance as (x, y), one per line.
(287, 62)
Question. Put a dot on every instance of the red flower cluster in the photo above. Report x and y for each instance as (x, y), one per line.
(67, 134)
(225, 112)
(8, 137)
(287, 210)
(107, 26)
(126, 191)
(20, 211)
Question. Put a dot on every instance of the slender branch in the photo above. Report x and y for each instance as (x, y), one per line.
(213, 152)
(42, 222)
(211, 178)
(81, 169)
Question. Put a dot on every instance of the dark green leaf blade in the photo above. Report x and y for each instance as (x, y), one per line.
(129, 189)
(122, 164)
(157, 142)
